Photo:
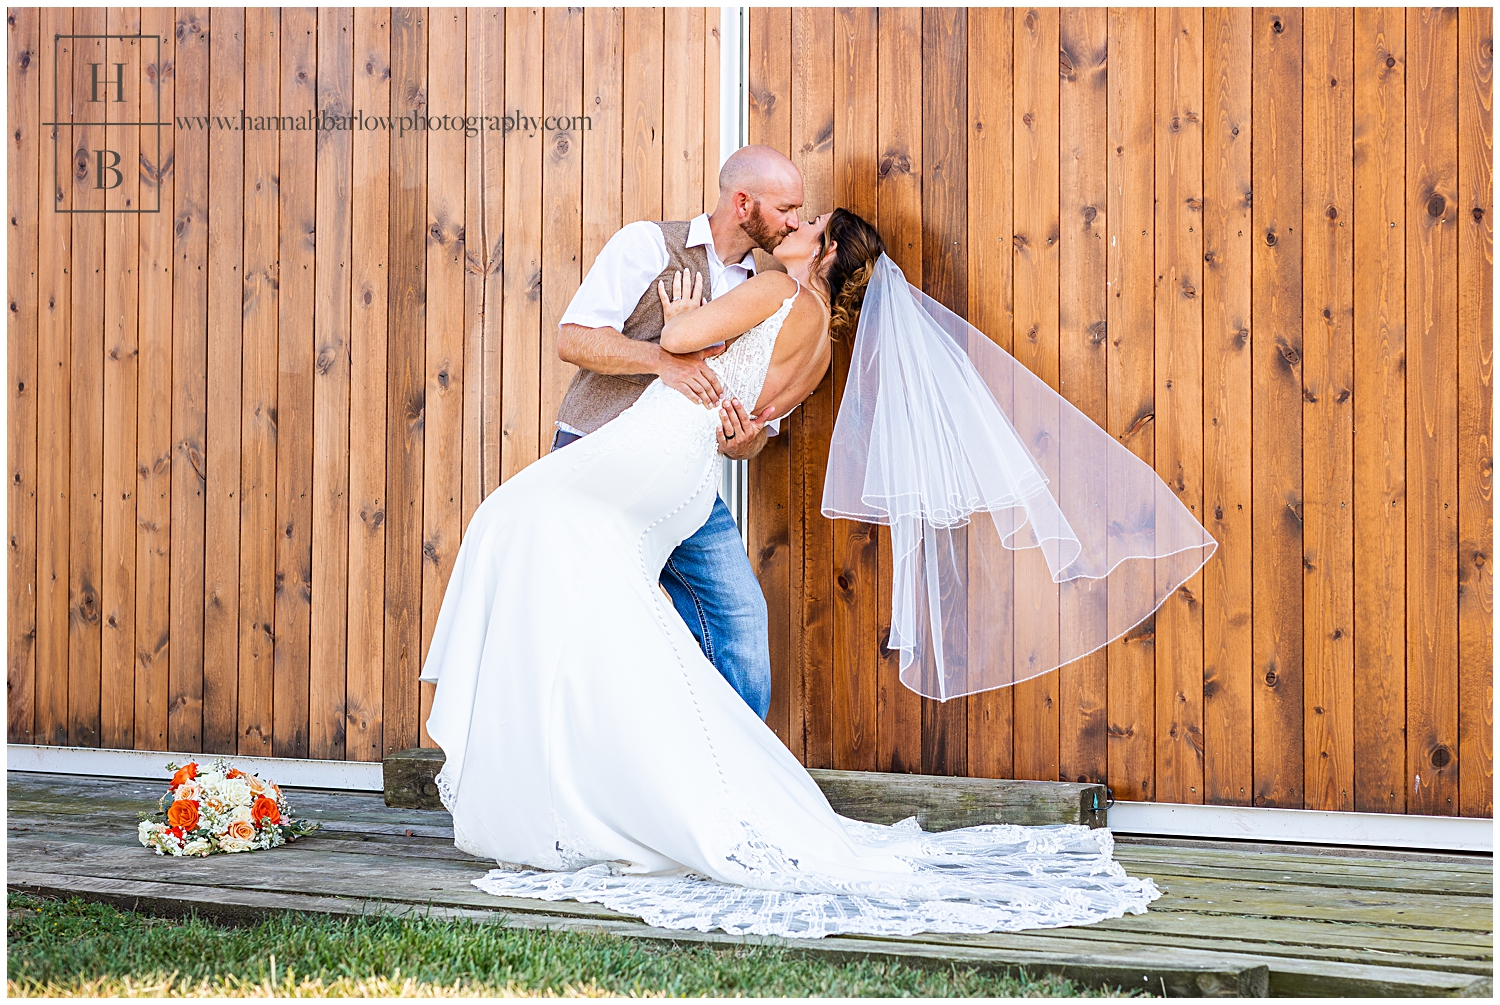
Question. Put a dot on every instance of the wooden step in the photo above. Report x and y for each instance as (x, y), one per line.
(1208, 935)
(938, 802)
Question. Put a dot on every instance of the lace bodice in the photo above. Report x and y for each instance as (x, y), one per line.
(744, 365)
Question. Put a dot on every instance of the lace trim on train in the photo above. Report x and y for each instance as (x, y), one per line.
(995, 878)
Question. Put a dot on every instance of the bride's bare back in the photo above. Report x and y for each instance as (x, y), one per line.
(801, 354)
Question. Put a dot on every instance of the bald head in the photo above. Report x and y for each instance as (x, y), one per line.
(756, 169)
(760, 192)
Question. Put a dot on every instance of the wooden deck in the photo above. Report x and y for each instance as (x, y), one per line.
(1235, 919)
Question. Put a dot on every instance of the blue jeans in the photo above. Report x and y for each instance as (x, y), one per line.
(713, 587)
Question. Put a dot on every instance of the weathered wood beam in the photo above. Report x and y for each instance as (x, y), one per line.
(939, 803)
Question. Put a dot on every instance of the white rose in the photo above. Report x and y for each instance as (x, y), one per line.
(236, 792)
(234, 844)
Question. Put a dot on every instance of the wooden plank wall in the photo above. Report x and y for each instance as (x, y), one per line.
(1256, 245)
(246, 432)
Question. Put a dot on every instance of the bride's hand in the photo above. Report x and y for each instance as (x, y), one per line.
(678, 303)
(742, 435)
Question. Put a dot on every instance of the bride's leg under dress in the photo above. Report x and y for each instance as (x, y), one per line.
(587, 735)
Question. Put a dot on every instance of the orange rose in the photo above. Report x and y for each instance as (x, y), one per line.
(240, 829)
(265, 811)
(234, 773)
(183, 813)
(185, 773)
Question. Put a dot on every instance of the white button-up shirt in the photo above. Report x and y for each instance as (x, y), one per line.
(629, 264)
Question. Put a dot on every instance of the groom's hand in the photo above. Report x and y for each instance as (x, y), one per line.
(741, 436)
(692, 376)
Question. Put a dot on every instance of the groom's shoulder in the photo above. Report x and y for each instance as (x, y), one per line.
(648, 229)
(633, 239)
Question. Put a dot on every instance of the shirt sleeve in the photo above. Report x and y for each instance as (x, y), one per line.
(626, 266)
(773, 427)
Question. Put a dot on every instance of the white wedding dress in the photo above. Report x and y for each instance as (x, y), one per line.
(595, 753)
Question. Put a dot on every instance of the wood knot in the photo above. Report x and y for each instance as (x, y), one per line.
(1436, 205)
(326, 360)
(1441, 756)
(897, 163)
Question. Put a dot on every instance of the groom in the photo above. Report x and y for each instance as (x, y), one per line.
(612, 330)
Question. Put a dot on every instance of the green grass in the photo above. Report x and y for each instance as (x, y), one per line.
(75, 948)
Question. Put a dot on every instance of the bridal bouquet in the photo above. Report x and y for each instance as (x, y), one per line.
(219, 809)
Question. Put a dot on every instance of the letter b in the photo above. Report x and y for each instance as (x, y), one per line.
(110, 167)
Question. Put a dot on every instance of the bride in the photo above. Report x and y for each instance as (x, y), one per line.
(595, 754)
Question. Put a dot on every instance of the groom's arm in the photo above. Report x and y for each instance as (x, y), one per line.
(605, 350)
(590, 330)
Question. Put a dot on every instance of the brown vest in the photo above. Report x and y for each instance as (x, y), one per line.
(595, 398)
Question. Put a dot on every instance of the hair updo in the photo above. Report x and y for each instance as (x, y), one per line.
(859, 245)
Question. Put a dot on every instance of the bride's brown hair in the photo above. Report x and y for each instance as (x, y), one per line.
(859, 245)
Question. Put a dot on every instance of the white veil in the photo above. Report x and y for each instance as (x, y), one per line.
(1078, 539)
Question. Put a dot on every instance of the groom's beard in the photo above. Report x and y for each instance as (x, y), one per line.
(761, 232)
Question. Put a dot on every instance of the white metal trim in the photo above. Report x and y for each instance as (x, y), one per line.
(731, 81)
(734, 118)
(360, 776)
(1263, 823)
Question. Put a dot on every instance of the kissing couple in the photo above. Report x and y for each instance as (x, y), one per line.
(600, 654)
